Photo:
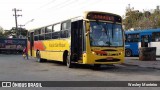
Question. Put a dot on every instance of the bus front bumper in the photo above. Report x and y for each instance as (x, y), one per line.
(97, 59)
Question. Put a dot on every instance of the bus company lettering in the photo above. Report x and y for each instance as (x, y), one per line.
(56, 45)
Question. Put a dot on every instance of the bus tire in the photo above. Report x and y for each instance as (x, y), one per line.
(97, 65)
(38, 56)
(65, 54)
(69, 63)
(128, 53)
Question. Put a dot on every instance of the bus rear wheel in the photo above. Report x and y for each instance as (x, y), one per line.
(69, 63)
(128, 53)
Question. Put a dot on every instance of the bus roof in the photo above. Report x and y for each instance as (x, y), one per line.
(72, 19)
(143, 31)
(82, 17)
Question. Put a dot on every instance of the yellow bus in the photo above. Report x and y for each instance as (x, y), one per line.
(95, 38)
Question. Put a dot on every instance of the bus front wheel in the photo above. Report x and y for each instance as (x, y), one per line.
(69, 63)
(97, 65)
(128, 53)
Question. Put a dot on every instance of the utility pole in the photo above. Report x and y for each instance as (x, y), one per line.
(23, 26)
(15, 14)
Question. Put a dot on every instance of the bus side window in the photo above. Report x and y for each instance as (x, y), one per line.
(39, 31)
(65, 29)
(48, 36)
(36, 32)
(56, 31)
(41, 36)
(48, 29)
(57, 27)
(36, 38)
(64, 34)
(133, 38)
(156, 36)
(136, 38)
(42, 31)
(55, 35)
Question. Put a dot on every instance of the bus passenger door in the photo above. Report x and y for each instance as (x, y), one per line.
(144, 40)
(77, 35)
(31, 43)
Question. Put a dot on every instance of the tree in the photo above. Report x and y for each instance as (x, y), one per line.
(12, 32)
(1, 29)
(131, 18)
(18, 32)
(22, 31)
(1, 32)
(141, 20)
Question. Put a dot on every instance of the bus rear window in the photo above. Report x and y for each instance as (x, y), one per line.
(156, 37)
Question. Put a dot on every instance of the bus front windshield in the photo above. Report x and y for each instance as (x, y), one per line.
(105, 34)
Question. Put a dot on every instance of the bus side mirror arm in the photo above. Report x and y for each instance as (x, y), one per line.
(87, 33)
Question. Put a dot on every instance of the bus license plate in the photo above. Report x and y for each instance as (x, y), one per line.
(109, 58)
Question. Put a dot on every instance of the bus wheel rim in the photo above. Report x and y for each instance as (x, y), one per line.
(128, 53)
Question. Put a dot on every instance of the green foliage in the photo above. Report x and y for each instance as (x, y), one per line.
(1, 32)
(141, 20)
(20, 31)
(13, 32)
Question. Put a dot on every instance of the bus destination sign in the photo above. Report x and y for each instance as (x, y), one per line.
(105, 17)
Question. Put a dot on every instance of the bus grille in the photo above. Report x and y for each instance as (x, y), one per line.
(113, 54)
(105, 60)
(109, 54)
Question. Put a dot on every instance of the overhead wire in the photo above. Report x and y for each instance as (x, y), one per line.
(62, 5)
(58, 8)
(43, 6)
(58, 3)
(46, 4)
(35, 11)
(73, 8)
(84, 5)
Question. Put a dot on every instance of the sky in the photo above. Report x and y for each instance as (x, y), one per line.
(45, 12)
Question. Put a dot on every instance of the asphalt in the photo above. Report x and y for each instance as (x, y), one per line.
(134, 61)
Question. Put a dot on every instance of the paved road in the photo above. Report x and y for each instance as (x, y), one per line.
(143, 63)
(15, 68)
